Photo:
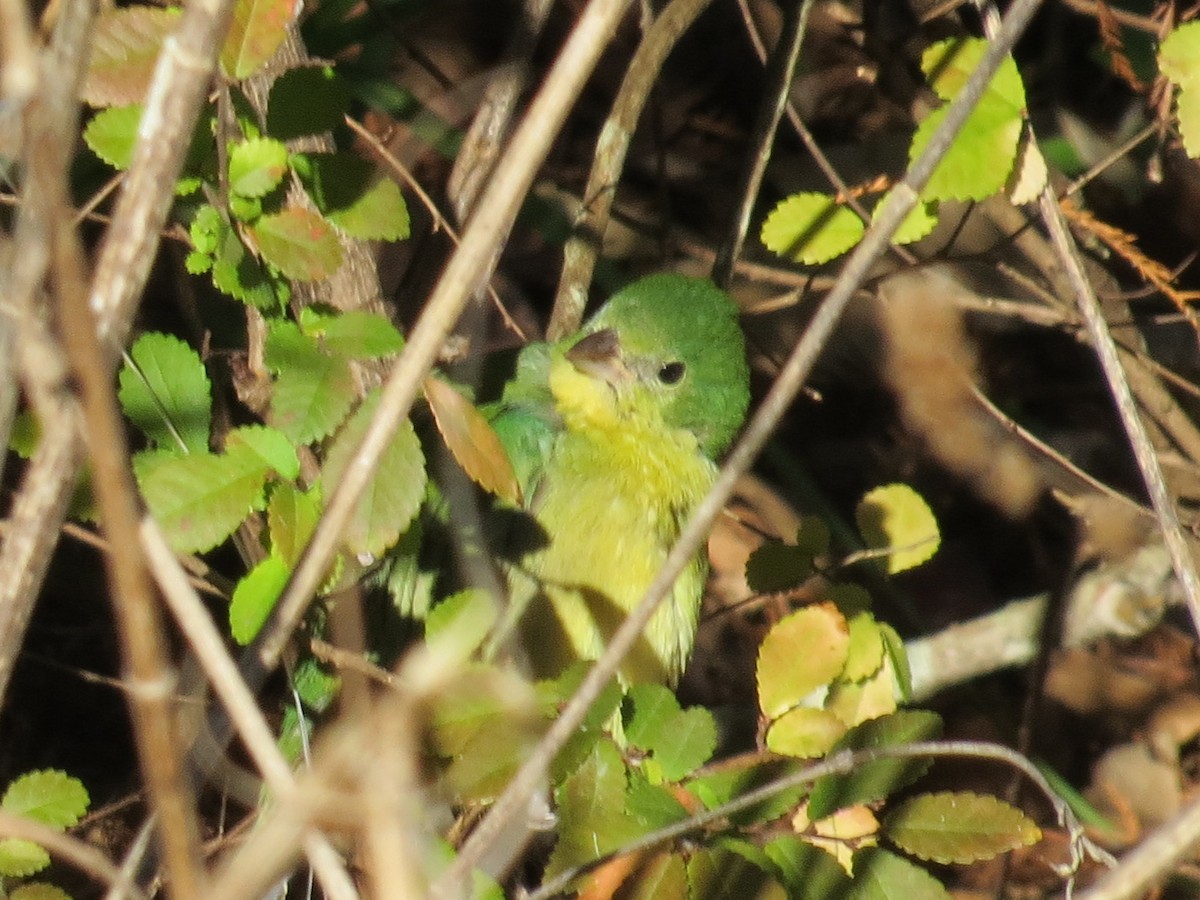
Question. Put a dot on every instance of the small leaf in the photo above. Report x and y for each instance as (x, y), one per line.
(896, 518)
(49, 796)
(165, 392)
(306, 100)
(299, 243)
(808, 873)
(958, 827)
(880, 875)
(112, 133)
(239, 274)
(38, 890)
(20, 858)
(313, 390)
(269, 445)
(840, 834)
(257, 30)
(878, 778)
(804, 733)
(353, 196)
(200, 499)
(472, 441)
(811, 228)
(680, 741)
(865, 655)
(125, 43)
(394, 493)
(458, 626)
(292, 516)
(1030, 175)
(802, 652)
(1179, 60)
(354, 334)
(257, 166)
(254, 597)
(919, 222)
(775, 566)
(591, 810)
(858, 701)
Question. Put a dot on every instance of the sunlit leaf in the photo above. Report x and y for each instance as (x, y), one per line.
(351, 193)
(801, 653)
(124, 46)
(680, 741)
(1179, 60)
(257, 166)
(958, 827)
(591, 810)
(804, 733)
(254, 597)
(112, 133)
(292, 515)
(271, 446)
(313, 390)
(472, 440)
(257, 30)
(880, 875)
(165, 392)
(299, 243)
(811, 228)
(49, 796)
(897, 519)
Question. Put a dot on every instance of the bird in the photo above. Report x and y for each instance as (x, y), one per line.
(613, 434)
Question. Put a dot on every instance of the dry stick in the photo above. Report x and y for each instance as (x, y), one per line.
(843, 763)
(779, 81)
(176, 92)
(197, 626)
(774, 405)
(579, 255)
(82, 856)
(466, 270)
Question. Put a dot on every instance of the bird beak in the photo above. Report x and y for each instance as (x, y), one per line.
(598, 355)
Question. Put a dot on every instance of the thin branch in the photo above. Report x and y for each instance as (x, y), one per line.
(579, 254)
(774, 405)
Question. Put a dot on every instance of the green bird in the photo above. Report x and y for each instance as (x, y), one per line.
(613, 434)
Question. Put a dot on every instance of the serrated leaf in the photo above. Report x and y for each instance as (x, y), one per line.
(125, 43)
(804, 733)
(292, 516)
(802, 652)
(255, 33)
(20, 858)
(920, 221)
(472, 441)
(896, 518)
(394, 493)
(354, 334)
(893, 646)
(306, 100)
(165, 392)
(735, 870)
(811, 228)
(200, 499)
(112, 133)
(1179, 60)
(239, 274)
(808, 873)
(269, 445)
(1029, 175)
(257, 166)
(299, 243)
(878, 778)
(353, 196)
(254, 597)
(840, 834)
(865, 655)
(880, 875)
(680, 741)
(857, 701)
(653, 805)
(591, 810)
(313, 390)
(49, 796)
(958, 827)
(775, 566)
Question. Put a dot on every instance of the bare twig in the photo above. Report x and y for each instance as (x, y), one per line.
(579, 254)
(777, 401)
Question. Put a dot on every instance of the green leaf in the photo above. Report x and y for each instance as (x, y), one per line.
(125, 43)
(392, 496)
(306, 100)
(292, 516)
(299, 243)
(680, 741)
(458, 626)
(257, 166)
(878, 778)
(958, 827)
(804, 733)
(811, 228)
(257, 30)
(49, 796)
(472, 441)
(20, 858)
(354, 334)
(893, 645)
(313, 390)
(979, 161)
(165, 392)
(734, 870)
(269, 445)
(897, 519)
(919, 222)
(591, 810)
(653, 805)
(808, 872)
(865, 655)
(880, 875)
(1179, 60)
(200, 499)
(236, 272)
(112, 133)
(353, 196)
(254, 597)
(38, 890)
(802, 652)
(722, 784)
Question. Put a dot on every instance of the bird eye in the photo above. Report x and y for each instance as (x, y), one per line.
(672, 373)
